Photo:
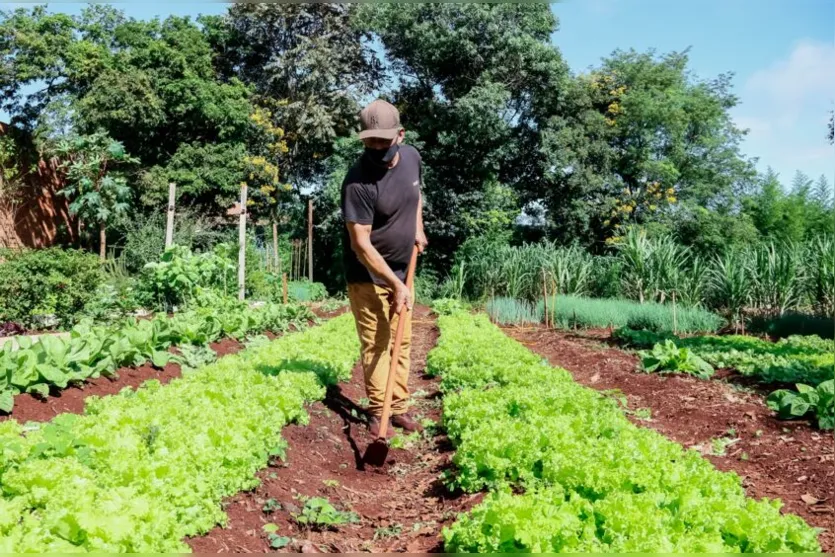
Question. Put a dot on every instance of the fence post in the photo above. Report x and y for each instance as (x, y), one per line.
(169, 225)
(545, 296)
(310, 240)
(277, 260)
(675, 316)
(284, 286)
(242, 246)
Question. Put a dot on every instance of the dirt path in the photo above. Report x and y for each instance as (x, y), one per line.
(791, 461)
(401, 507)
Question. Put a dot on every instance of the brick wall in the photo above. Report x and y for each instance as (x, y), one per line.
(35, 217)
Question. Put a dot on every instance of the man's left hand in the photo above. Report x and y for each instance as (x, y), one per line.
(421, 242)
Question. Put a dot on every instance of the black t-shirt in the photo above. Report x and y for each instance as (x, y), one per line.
(387, 199)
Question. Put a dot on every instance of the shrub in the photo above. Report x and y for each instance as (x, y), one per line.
(306, 291)
(36, 285)
(179, 273)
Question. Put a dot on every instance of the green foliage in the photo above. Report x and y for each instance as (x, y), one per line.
(144, 236)
(818, 402)
(92, 351)
(591, 481)
(44, 284)
(165, 475)
(306, 291)
(319, 513)
(568, 311)
(796, 359)
(179, 274)
(668, 357)
(447, 306)
(507, 311)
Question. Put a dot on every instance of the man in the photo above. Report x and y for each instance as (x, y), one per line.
(382, 209)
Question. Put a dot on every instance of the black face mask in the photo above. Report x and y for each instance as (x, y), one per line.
(382, 157)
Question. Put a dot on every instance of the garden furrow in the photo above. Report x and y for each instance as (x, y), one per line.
(591, 480)
(141, 471)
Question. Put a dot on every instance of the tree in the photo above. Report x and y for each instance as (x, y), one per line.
(309, 66)
(832, 127)
(823, 193)
(671, 136)
(151, 85)
(95, 186)
(472, 82)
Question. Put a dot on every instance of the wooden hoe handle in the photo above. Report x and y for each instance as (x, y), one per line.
(395, 350)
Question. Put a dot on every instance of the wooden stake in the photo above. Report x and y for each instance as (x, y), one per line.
(284, 286)
(277, 260)
(242, 246)
(310, 240)
(169, 225)
(102, 241)
(545, 296)
(675, 316)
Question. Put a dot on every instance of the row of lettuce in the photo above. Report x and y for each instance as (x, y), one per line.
(806, 363)
(567, 471)
(71, 485)
(91, 351)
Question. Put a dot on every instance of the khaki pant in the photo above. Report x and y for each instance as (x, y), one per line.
(370, 306)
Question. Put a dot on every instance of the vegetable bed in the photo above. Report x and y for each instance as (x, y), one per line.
(72, 485)
(591, 480)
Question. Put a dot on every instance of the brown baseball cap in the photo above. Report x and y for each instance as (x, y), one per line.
(380, 119)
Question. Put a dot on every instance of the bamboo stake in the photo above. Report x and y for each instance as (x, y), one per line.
(310, 240)
(277, 258)
(242, 246)
(545, 296)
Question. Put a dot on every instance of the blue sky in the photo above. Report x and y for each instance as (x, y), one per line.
(782, 53)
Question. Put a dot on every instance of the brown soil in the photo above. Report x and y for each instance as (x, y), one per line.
(402, 506)
(36, 409)
(789, 460)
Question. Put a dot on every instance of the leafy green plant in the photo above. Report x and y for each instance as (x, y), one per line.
(270, 506)
(568, 472)
(163, 477)
(318, 512)
(178, 275)
(306, 291)
(805, 401)
(45, 288)
(668, 357)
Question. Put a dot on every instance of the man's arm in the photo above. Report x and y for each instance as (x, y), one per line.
(369, 256)
(420, 238)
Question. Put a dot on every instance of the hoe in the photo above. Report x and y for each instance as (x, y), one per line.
(378, 450)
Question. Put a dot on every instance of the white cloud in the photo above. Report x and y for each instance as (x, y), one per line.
(807, 75)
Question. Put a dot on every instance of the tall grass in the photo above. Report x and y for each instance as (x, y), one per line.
(510, 311)
(573, 311)
(766, 281)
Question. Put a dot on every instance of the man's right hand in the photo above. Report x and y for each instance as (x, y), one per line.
(401, 298)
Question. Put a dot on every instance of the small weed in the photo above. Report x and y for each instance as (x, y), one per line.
(318, 512)
(330, 483)
(643, 414)
(273, 476)
(278, 542)
(719, 445)
(364, 402)
(388, 532)
(420, 394)
(270, 506)
(743, 457)
(731, 432)
(758, 433)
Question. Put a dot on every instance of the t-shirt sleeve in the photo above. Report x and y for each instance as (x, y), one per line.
(359, 204)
